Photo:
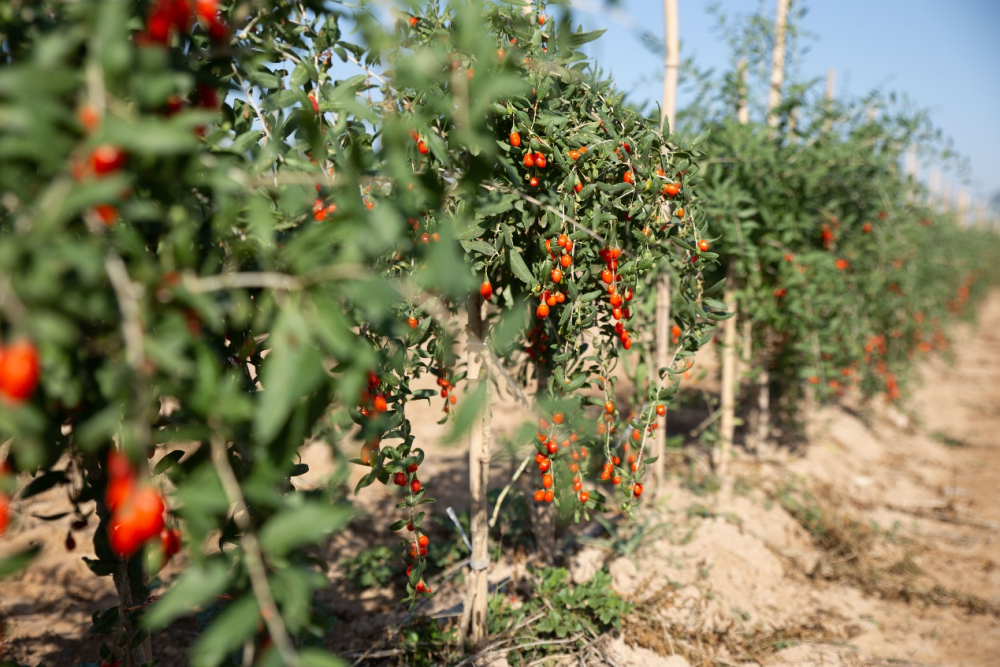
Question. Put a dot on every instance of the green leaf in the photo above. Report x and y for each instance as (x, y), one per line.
(293, 369)
(13, 564)
(168, 461)
(194, 587)
(480, 247)
(467, 411)
(309, 523)
(314, 657)
(518, 266)
(227, 633)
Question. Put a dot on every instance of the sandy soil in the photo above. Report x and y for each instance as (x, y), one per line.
(874, 545)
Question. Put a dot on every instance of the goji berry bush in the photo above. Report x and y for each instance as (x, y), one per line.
(841, 265)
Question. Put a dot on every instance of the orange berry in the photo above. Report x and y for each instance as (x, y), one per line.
(19, 370)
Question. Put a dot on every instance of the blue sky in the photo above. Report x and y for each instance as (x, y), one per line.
(945, 56)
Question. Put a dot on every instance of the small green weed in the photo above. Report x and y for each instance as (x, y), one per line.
(624, 539)
(701, 485)
(948, 440)
(375, 567)
(556, 617)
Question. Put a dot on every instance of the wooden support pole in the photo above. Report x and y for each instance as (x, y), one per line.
(663, 340)
(742, 111)
(773, 100)
(543, 515)
(728, 391)
(831, 88)
(474, 614)
(777, 63)
(962, 212)
(668, 111)
(671, 65)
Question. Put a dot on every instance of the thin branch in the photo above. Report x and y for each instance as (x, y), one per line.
(128, 304)
(250, 101)
(10, 304)
(242, 34)
(515, 388)
(252, 553)
(269, 280)
(224, 281)
(506, 489)
(367, 71)
(550, 209)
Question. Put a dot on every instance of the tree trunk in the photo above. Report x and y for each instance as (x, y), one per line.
(777, 63)
(128, 578)
(128, 582)
(474, 614)
(728, 390)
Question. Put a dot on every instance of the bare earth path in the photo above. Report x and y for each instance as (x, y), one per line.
(877, 545)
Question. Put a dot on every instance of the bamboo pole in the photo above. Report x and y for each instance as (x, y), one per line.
(962, 212)
(727, 392)
(671, 65)
(742, 111)
(777, 63)
(668, 111)
(543, 515)
(773, 100)
(831, 87)
(474, 614)
(934, 187)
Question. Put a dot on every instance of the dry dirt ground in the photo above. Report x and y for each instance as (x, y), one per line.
(876, 544)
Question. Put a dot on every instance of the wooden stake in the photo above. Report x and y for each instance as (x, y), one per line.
(543, 515)
(671, 65)
(663, 340)
(742, 111)
(773, 100)
(777, 63)
(763, 408)
(474, 614)
(728, 398)
(962, 211)
(831, 87)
